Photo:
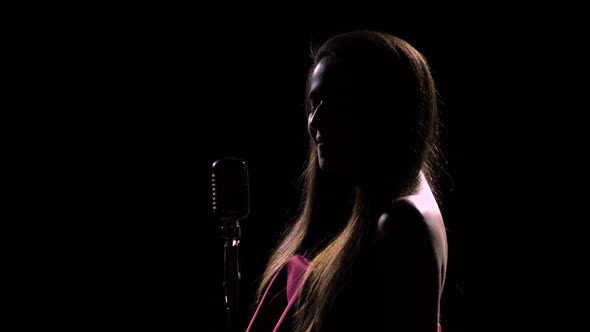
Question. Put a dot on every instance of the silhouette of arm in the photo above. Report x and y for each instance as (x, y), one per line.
(410, 267)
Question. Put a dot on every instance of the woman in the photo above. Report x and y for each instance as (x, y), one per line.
(368, 250)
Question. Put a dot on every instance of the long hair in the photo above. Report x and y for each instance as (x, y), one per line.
(401, 74)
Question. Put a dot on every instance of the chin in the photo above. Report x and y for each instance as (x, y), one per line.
(334, 170)
(326, 167)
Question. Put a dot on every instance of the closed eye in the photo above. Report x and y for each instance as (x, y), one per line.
(314, 108)
(315, 98)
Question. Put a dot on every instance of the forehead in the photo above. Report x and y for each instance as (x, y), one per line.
(332, 74)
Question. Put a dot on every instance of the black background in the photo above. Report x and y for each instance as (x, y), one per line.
(106, 222)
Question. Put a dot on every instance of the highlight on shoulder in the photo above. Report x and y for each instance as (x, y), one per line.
(415, 223)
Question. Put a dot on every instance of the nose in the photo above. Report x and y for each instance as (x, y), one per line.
(315, 120)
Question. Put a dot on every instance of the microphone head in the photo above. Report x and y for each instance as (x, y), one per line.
(230, 189)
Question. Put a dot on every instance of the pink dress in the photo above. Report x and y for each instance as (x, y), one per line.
(274, 310)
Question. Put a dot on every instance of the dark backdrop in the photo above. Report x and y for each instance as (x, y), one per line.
(106, 222)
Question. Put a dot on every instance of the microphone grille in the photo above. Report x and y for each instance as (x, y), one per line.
(230, 188)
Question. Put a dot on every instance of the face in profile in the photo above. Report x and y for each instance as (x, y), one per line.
(338, 96)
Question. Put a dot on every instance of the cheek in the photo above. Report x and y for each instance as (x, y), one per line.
(312, 132)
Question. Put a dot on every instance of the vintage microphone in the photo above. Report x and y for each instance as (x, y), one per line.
(231, 203)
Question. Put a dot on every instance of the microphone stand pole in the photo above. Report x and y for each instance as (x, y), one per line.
(231, 234)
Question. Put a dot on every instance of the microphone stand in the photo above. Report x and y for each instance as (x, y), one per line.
(231, 204)
(231, 234)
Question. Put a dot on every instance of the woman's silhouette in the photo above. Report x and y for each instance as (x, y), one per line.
(368, 250)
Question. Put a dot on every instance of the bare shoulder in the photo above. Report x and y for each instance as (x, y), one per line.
(415, 224)
(407, 222)
(412, 259)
